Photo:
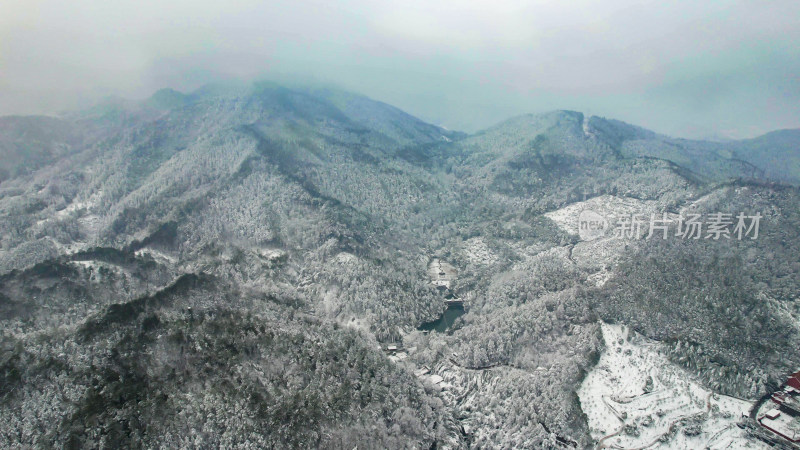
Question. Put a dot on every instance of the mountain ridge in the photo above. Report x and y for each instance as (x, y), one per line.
(253, 251)
(731, 159)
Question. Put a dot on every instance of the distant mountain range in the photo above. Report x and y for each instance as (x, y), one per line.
(224, 267)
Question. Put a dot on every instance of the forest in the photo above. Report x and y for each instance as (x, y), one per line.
(227, 268)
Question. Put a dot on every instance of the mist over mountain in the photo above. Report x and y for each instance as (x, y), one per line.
(229, 267)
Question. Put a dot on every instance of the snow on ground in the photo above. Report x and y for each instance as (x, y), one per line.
(441, 273)
(161, 257)
(635, 398)
(77, 206)
(707, 200)
(599, 278)
(90, 224)
(550, 253)
(608, 206)
(73, 207)
(587, 130)
(604, 249)
(477, 252)
(98, 267)
(362, 324)
(65, 213)
(272, 254)
(346, 258)
(599, 253)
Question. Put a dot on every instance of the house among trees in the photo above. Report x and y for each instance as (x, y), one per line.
(442, 274)
(784, 420)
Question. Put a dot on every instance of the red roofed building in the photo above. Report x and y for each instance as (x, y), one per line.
(784, 420)
(794, 380)
(779, 397)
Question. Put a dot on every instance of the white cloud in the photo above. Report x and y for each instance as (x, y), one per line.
(497, 57)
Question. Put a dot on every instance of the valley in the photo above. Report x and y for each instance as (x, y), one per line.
(242, 257)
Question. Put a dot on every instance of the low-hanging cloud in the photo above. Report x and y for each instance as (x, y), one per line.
(685, 68)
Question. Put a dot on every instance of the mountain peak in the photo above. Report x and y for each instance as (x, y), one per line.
(166, 98)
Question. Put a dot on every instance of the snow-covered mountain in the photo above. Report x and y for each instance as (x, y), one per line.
(230, 266)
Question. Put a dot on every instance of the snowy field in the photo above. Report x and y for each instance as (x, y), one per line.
(635, 398)
(477, 252)
(609, 206)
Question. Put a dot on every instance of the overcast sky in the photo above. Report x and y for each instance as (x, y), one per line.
(685, 68)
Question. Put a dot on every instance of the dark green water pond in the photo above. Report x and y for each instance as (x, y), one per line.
(444, 321)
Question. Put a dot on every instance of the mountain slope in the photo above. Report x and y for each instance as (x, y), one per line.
(252, 250)
(773, 156)
(776, 153)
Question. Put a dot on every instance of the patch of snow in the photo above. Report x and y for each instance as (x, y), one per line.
(71, 208)
(346, 258)
(358, 323)
(477, 252)
(609, 206)
(552, 252)
(634, 396)
(95, 266)
(599, 279)
(706, 200)
(598, 253)
(441, 273)
(271, 254)
(330, 301)
(157, 255)
(585, 125)
(90, 224)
